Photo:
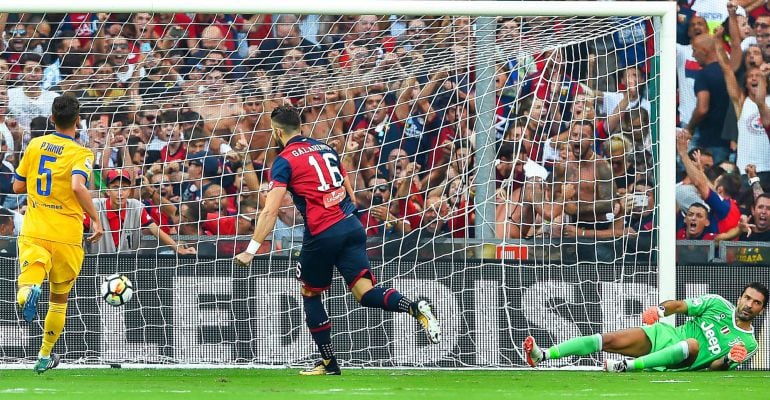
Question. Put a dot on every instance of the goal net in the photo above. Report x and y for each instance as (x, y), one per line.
(505, 168)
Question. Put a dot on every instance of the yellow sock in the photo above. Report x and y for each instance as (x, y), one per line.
(54, 325)
(21, 295)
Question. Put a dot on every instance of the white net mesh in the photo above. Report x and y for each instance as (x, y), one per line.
(178, 105)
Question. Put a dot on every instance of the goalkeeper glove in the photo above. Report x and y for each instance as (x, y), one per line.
(738, 353)
(652, 314)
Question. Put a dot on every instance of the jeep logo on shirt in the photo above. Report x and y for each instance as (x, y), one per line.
(708, 331)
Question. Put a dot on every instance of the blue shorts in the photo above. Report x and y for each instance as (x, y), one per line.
(344, 245)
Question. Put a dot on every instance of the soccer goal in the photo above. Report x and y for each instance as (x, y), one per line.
(513, 162)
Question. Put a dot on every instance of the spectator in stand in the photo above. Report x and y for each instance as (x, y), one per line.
(114, 152)
(142, 32)
(103, 95)
(74, 71)
(200, 168)
(157, 191)
(687, 68)
(285, 36)
(619, 152)
(65, 57)
(289, 226)
(83, 25)
(756, 228)
(162, 81)
(190, 219)
(123, 57)
(177, 25)
(364, 34)
(215, 101)
(635, 126)
(124, 218)
(462, 214)
(696, 224)
(504, 165)
(753, 228)
(528, 198)
(168, 125)
(326, 112)
(416, 37)
(375, 117)
(417, 118)
(754, 185)
(632, 40)
(752, 108)
(639, 207)
(633, 95)
(216, 206)
(254, 124)
(540, 126)
(29, 100)
(16, 46)
(147, 119)
(198, 142)
(723, 210)
(553, 85)
(10, 131)
(712, 100)
(175, 149)
(761, 31)
(380, 220)
(211, 38)
(134, 155)
(686, 193)
(434, 217)
(591, 206)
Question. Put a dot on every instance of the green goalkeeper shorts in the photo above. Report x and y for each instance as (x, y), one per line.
(662, 335)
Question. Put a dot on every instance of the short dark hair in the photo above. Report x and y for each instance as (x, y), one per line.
(462, 144)
(584, 122)
(731, 184)
(713, 173)
(250, 90)
(197, 133)
(699, 205)
(169, 117)
(65, 111)
(506, 150)
(287, 117)
(759, 288)
(761, 196)
(34, 57)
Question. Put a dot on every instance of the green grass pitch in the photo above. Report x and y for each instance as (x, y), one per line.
(145, 384)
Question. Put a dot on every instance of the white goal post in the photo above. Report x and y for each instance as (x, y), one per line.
(274, 287)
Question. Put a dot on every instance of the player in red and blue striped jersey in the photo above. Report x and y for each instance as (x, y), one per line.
(311, 171)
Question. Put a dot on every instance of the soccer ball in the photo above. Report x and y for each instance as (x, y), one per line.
(117, 290)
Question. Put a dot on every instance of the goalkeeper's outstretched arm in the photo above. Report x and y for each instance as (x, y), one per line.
(669, 307)
(674, 307)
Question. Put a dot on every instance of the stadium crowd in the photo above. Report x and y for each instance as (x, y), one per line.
(176, 107)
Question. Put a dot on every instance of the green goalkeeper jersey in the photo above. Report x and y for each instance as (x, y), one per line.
(713, 326)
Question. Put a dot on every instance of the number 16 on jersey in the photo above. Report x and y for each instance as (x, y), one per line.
(332, 166)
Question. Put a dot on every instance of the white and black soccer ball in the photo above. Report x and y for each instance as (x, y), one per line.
(117, 290)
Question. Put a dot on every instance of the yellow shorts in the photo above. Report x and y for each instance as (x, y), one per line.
(61, 262)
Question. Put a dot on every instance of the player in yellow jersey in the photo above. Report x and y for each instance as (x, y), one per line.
(53, 173)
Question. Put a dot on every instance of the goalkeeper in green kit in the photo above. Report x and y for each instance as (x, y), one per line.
(719, 336)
